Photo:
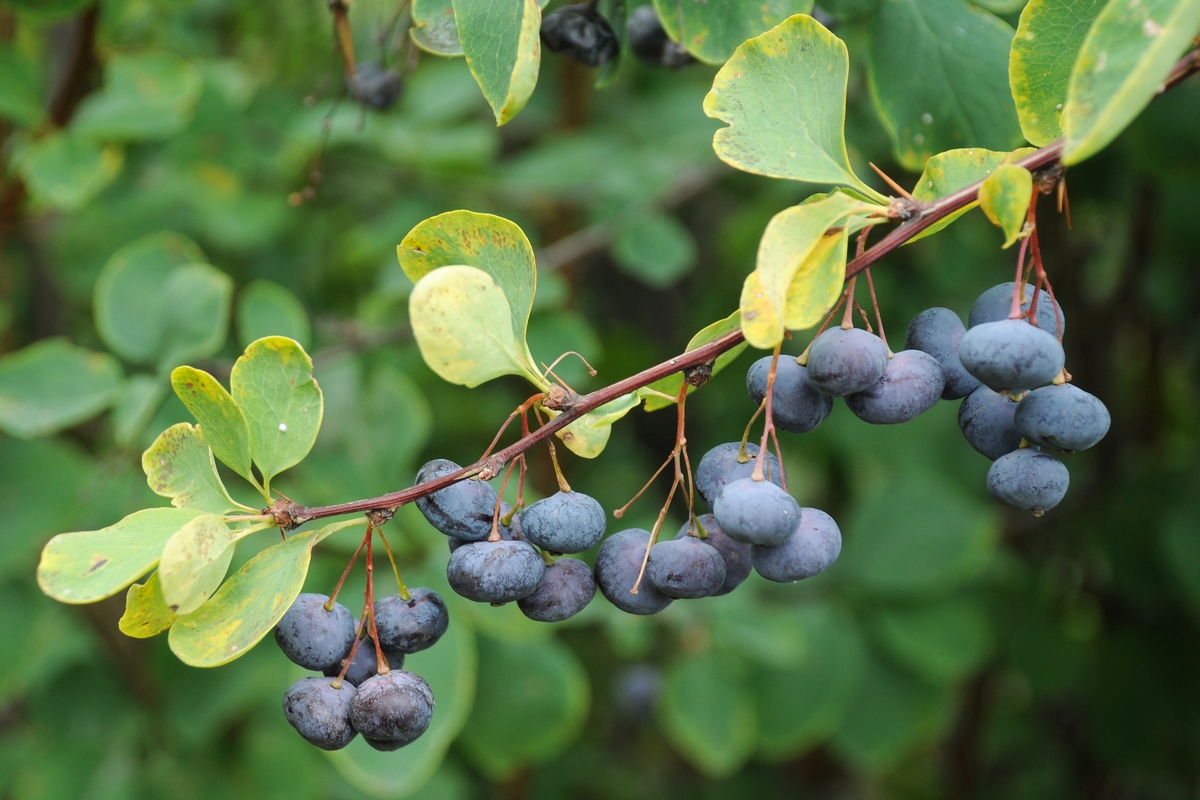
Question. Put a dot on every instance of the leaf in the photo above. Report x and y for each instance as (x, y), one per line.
(706, 711)
(462, 323)
(146, 612)
(489, 243)
(265, 308)
(712, 31)
(433, 27)
(952, 170)
(48, 9)
(538, 681)
(943, 642)
(88, 566)
(656, 249)
(614, 12)
(197, 298)
(670, 384)
(1048, 39)
(272, 384)
(1005, 197)
(140, 398)
(501, 41)
(818, 282)
(20, 92)
(53, 385)
(65, 171)
(783, 95)
(249, 604)
(790, 238)
(938, 74)
(451, 669)
(146, 96)
(801, 705)
(1122, 64)
(131, 316)
(194, 562)
(180, 466)
(588, 435)
(225, 427)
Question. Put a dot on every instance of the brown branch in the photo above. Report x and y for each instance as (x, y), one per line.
(289, 514)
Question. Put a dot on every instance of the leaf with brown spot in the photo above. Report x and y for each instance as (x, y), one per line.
(179, 465)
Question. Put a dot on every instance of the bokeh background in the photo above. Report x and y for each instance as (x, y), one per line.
(957, 649)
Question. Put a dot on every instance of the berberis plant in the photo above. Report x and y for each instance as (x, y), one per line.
(1076, 73)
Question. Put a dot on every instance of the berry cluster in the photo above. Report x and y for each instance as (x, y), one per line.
(580, 32)
(370, 692)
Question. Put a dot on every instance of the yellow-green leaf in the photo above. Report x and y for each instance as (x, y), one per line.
(501, 41)
(818, 282)
(670, 384)
(249, 604)
(588, 435)
(952, 170)
(462, 323)
(712, 31)
(224, 424)
(1005, 196)
(179, 465)
(87, 566)
(194, 561)
(146, 613)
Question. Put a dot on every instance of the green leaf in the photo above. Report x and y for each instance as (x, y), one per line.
(272, 384)
(588, 435)
(801, 705)
(20, 92)
(433, 27)
(500, 39)
(952, 170)
(712, 31)
(792, 236)
(180, 466)
(656, 249)
(1001, 6)
(783, 95)
(194, 562)
(146, 612)
(944, 642)
(140, 397)
(462, 323)
(146, 96)
(265, 308)
(1005, 197)
(249, 604)
(916, 537)
(938, 73)
(706, 710)
(65, 171)
(225, 427)
(52, 385)
(1122, 64)
(670, 384)
(197, 298)
(88, 566)
(451, 669)
(614, 12)
(1048, 39)
(128, 302)
(538, 681)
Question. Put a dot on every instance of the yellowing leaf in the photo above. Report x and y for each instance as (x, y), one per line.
(146, 613)
(194, 561)
(712, 31)
(952, 170)
(180, 466)
(588, 435)
(501, 41)
(1005, 196)
(670, 384)
(224, 424)
(818, 282)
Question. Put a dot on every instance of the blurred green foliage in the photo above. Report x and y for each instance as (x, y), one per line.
(955, 650)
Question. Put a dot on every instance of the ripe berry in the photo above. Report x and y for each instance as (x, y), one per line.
(812, 547)
(1028, 479)
(564, 522)
(410, 626)
(1011, 355)
(462, 510)
(986, 420)
(580, 32)
(842, 362)
(798, 406)
(720, 466)
(1063, 417)
(566, 589)
(911, 385)
(618, 562)
(319, 712)
(735, 554)
(313, 637)
(685, 568)
(394, 708)
(495, 572)
(757, 512)
(937, 331)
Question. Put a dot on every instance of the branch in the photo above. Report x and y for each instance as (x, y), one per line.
(289, 515)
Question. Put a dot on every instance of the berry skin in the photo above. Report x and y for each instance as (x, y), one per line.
(566, 589)
(564, 522)
(580, 32)
(1062, 417)
(375, 87)
(937, 331)
(365, 664)
(509, 533)
(986, 420)
(1028, 479)
(842, 362)
(995, 304)
(736, 555)
(1011, 355)
(462, 510)
(649, 41)
(410, 626)
(798, 406)
(319, 712)
(911, 385)
(685, 568)
(618, 562)
(313, 637)
(720, 466)
(757, 512)
(395, 708)
(812, 547)
(495, 572)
